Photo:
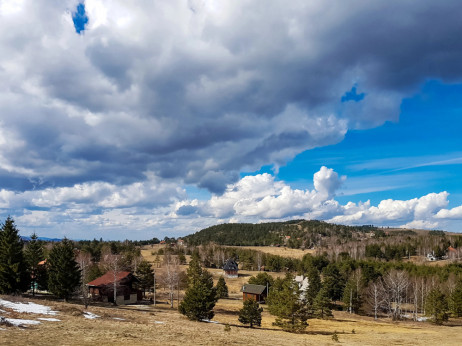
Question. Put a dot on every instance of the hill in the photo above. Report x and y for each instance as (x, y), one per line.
(294, 233)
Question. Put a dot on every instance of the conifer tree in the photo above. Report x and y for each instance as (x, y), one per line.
(314, 285)
(34, 255)
(263, 279)
(436, 306)
(146, 275)
(64, 272)
(200, 296)
(351, 296)
(286, 304)
(222, 288)
(455, 300)
(250, 313)
(322, 304)
(14, 277)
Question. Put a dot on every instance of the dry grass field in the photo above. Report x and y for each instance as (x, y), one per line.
(149, 325)
(161, 325)
(280, 251)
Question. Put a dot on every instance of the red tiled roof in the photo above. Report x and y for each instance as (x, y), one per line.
(108, 278)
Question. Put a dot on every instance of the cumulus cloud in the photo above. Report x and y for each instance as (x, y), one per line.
(163, 87)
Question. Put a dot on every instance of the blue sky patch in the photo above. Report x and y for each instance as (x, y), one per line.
(80, 18)
(353, 95)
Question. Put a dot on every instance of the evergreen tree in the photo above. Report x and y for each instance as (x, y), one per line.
(352, 299)
(436, 306)
(64, 272)
(14, 277)
(285, 303)
(200, 296)
(322, 304)
(314, 281)
(146, 275)
(263, 279)
(250, 313)
(34, 255)
(455, 300)
(222, 288)
(333, 282)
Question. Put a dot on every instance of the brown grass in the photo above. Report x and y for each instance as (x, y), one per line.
(149, 325)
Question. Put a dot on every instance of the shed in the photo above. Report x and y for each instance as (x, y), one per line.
(256, 292)
(231, 268)
(102, 288)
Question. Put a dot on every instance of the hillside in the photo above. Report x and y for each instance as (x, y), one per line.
(295, 233)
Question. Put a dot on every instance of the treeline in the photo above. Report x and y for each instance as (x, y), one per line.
(63, 268)
(295, 233)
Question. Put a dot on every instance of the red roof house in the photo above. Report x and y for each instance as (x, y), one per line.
(102, 288)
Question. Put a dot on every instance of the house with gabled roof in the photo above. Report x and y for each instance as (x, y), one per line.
(231, 268)
(102, 288)
(255, 292)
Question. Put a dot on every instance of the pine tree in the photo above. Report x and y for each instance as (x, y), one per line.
(250, 313)
(200, 295)
(321, 304)
(455, 300)
(14, 277)
(146, 275)
(285, 303)
(263, 279)
(351, 296)
(222, 288)
(314, 281)
(64, 272)
(436, 306)
(34, 254)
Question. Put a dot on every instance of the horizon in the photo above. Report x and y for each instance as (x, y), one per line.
(134, 121)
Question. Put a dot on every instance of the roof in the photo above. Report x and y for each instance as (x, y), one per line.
(108, 278)
(230, 265)
(253, 289)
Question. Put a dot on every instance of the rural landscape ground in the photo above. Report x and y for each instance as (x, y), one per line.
(162, 325)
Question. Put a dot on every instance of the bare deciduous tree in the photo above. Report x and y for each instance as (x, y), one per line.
(170, 276)
(113, 263)
(374, 296)
(395, 284)
(84, 261)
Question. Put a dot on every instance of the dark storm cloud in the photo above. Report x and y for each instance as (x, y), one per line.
(199, 95)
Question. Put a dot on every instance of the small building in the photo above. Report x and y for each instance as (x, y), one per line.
(231, 269)
(256, 292)
(102, 288)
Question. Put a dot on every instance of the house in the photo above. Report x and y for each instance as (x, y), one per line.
(256, 292)
(180, 242)
(102, 288)
(231, 268)
(303, 284)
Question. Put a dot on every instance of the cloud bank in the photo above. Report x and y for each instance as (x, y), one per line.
(149, 96)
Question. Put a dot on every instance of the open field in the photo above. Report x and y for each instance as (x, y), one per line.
(149, 325)
(280, 251)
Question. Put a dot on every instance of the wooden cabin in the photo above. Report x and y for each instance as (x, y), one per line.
(256, 292)
(102, 288)
(231, 269)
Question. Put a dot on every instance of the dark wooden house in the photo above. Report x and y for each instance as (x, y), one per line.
(102, 288)
(230, 268)
(256, 292)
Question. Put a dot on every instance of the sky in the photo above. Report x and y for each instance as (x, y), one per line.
(133, 120)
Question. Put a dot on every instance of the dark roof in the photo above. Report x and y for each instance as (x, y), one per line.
(253, 289)
(230, 265)
(108, 278)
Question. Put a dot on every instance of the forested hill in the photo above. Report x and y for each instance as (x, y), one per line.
(294, 233)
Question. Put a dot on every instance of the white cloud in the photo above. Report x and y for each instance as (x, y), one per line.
(452, 214)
